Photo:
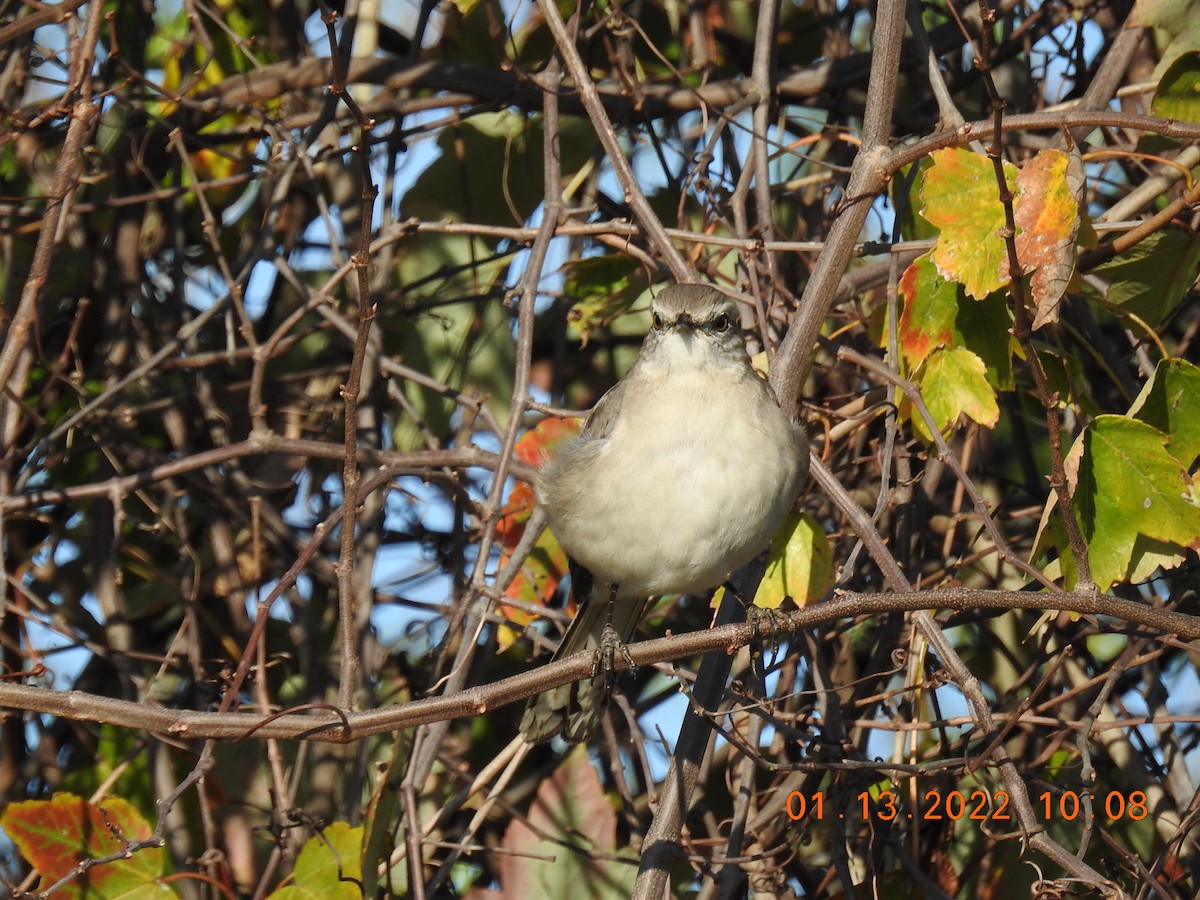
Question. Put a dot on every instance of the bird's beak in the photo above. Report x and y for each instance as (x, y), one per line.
(685, 322)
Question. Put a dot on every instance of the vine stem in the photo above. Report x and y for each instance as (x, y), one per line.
(349, 613)
(1021, 325)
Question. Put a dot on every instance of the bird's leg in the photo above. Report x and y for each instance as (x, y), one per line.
(610, 642)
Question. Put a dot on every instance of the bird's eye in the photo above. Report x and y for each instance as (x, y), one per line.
(656, 322)
(722, 324)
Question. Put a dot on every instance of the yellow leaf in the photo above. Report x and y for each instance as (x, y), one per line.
(801, 564)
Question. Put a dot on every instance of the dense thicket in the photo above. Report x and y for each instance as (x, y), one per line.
(288, 286)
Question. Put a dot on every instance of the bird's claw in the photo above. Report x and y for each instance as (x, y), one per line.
(606, 654)
(755, 615)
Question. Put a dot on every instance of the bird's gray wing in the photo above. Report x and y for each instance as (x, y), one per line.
(600, 421)
(574, 710)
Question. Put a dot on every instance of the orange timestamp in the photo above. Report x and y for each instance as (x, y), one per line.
(977, 805)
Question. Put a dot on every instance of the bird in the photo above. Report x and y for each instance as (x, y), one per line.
(681, 474)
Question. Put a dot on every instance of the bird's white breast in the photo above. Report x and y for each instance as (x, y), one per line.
(699, 470)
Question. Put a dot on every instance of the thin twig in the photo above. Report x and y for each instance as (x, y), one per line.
(590, 97)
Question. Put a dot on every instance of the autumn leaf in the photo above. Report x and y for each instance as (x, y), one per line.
(568, 846)
(535, 445)
(800, 565)
(961, 198)
(930, 308)
(1047, 216)
(953, 383)
(55, 835)
(937, 314)
(546, 564)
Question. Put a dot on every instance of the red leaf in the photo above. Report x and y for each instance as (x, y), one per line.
(56, 835)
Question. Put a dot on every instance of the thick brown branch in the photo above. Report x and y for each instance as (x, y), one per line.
(477, 701)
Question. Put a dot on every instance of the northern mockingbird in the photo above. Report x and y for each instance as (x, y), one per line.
(681, 474)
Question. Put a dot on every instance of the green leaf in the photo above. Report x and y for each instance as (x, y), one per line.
(55, 835)
(603, 288)
(912, 226)
(1178, 93)
(1065, 376)
(801, 564)
(1105, 648)
(491, 166)
(567, 848)
(380, 830)
(1133, 499)
(984, 328)
(118, 751)
(1170, 402)
(1151, 278)
(962, 200)
(329, 866)
(468, 346)
(1186, 40)
(1177, 26)
(1170, 15)
(953, 383)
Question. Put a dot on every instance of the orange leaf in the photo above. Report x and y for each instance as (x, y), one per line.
(1047, 217)
(56, 835)
(546, 565)
(930, 307)
(539, 442)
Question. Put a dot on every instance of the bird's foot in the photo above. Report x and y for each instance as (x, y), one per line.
(774, 622)
(606, 654)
